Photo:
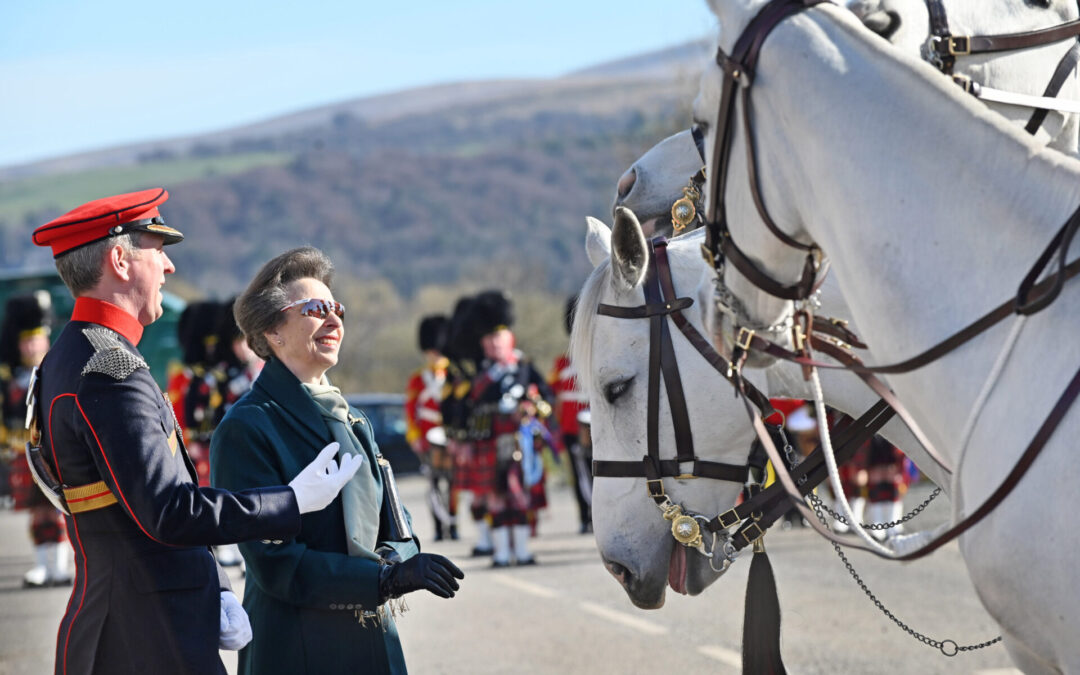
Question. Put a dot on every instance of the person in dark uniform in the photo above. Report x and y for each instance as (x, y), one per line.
(24, 339)
(319, 603)
(148, 595)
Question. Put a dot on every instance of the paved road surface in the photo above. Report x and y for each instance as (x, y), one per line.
(567, 615)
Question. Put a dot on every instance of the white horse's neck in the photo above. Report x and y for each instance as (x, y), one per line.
(956, 204)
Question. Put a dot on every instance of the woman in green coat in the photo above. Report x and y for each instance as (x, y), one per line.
(319, 603)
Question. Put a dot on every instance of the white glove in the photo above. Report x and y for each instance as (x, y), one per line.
(235, 628)
(319, 482)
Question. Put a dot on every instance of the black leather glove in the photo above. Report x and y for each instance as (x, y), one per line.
(424, 571)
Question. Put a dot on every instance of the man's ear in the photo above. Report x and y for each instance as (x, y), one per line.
(118, 263)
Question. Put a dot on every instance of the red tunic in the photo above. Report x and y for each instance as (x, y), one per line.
(569, 400)
(423, 402)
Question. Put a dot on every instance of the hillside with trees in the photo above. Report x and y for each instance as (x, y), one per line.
(417, 198)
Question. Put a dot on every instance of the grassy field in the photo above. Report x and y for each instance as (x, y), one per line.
(64, 191)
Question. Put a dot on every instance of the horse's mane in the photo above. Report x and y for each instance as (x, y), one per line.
(581, 342)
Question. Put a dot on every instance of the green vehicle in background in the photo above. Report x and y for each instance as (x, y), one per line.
(159, 345)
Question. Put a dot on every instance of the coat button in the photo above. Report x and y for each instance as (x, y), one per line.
(266, 541)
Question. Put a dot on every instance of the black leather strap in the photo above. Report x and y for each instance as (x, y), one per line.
(1064, 69)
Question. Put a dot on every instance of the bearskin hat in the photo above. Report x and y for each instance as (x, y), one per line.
(433, 332)
(21, 314)
(462, 337)
(492, 310)
(197, 331)
(227, 332)
(571, 307)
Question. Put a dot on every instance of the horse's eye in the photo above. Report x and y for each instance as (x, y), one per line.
(613, 390)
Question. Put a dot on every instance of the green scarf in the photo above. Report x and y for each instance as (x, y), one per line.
(362, 495)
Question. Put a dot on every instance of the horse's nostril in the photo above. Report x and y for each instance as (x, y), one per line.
(620, 572)
(626, 182)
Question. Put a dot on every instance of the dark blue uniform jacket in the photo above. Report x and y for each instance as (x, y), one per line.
(146, 597)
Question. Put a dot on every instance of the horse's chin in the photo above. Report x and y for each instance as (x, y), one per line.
(699, 574)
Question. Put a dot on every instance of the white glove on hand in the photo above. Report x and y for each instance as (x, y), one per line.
(319, 482)
(235, 628)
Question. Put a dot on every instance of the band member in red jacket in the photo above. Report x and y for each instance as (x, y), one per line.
(423, 414)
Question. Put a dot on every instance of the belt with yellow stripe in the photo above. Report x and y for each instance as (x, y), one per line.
(89, 497)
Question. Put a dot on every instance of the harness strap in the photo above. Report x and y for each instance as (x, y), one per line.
(773, 502)
(670, 468)
(948, 46)
(1064, 69)
(1044, 291)
(939, 28)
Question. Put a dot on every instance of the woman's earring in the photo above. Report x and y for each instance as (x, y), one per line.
(279, 342)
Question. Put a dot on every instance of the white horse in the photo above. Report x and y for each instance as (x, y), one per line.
(932, 210)
(650, 185)
(612, 357)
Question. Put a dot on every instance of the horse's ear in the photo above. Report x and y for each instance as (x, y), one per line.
(597, 241)
(629, 251)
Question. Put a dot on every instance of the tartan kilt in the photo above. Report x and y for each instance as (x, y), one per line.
(474, 468)
(23, 488)
(538, 496)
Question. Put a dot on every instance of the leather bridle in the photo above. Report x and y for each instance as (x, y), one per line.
(763, 506)
(719, 248)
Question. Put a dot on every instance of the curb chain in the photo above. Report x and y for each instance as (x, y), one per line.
(946, 647)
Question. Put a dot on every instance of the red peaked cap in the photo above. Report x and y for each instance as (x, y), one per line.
(107, 217)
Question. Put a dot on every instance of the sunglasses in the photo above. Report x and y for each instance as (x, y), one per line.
(316, 308)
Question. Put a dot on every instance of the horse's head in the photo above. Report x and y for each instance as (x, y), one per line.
(611, 354)
(659, 178)
(764, 265)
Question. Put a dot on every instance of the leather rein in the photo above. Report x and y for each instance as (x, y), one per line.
(719, 249)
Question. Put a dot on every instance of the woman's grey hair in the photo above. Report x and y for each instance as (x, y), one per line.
(81, 268)
(258, 309)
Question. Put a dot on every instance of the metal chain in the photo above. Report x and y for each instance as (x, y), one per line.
(877, 526)
(946, 647)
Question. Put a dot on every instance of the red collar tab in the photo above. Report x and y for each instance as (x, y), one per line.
(92, 310)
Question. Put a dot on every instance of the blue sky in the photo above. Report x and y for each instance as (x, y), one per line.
(84, 75)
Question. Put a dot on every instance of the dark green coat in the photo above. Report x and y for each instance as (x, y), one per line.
(301, 595)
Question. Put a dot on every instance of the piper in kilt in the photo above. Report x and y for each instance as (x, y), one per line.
(510, 403)
(462, 349)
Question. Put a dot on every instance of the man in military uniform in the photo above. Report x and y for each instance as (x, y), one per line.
(24, 339)
(148, 595)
